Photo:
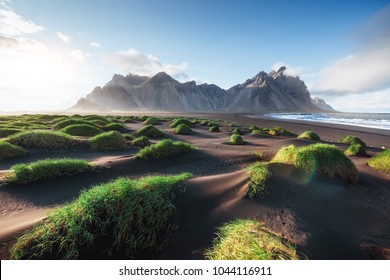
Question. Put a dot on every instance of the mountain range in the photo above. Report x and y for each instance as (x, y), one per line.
(265, 92)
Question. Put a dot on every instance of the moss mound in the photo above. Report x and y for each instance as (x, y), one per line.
(183, 129)
(355, 150)
(122, 219)
(381, 161)
(141, 141)
(249, 240)
(115, 126)
(8, 150)
(236, 139)
(311, 135)
(96, 118)
(82, 130)
(72, 121)
(165, 148)
(108, 141)
(177, 122)
(322, 158)
(46, 169)
(5, 132)
(152, 120)
(253, 127)
(350, 139)
(258, 180)
(42, 139)
(150, 131)
(214, 129)
(236, 131)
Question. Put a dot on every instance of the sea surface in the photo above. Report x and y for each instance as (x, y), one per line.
(373, 120)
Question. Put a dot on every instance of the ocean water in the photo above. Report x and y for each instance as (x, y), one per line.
(373, 120)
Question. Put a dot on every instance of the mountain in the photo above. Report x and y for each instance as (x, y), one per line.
(320, 103)
(275, 91)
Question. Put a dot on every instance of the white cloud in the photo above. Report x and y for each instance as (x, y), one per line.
(133, 61)
(96, 45)
(79, 55)
(367, 69)
(290, 70)
(63, 37)
(12, 24)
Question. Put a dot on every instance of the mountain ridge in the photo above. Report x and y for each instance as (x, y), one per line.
(274, 91)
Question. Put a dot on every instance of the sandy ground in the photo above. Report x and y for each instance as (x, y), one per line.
(324, 218)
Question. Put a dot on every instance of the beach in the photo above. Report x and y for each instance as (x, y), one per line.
(325, 218)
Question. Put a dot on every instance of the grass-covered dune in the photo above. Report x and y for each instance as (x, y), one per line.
(180, 121)
(42, 139)
(381, 161)
(322, 158)
(350, 139)
(108, 141)
(141, 141)
(7, 150)
(81, 130)
(150, 131)
(165, 148)
(72, 121)
(122, 219)
(236, 139)
(183, 129)
(249, 240)
(355, 150)
(310, 135)
(46, 169)
(258, 179)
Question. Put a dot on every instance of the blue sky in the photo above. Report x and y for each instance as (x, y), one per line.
(54, 52)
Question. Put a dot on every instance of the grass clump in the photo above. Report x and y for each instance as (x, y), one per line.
(108, 141)
(165, 148)
(72, 121)
(284, 132)
(355, 150)
(236, 131)
(150, 131)
(177, 122)
(46, 169)
(350, 139)
(183, 129)
(42, 139)
(5, 132)
(122, 219)
(249, 240)
(311, 135)
(115, 126)
(81, 130)
(7, 150)
(152, 120)
(236, 139)
(381, 161)
(258, 179)
(214, 129)
(322, 158)
(253, 127)
(96, 118)
(141, 141)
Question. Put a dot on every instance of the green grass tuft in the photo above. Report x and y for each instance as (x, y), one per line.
(183, 129)
(46, 169)
(214, 129)
(152, 120)
(253, 127)
(96, 118)
(322, 158)
(311, 135)
(72, 121)
(5, 132)
(236, 131)
(115, 126)
(249, 240)
(165, 148)
(236, 139)
(355, 150)
(381, 161)
(122, 219)
(150, 131)
(7, 150)
(108, 141)
(350, 139)
(141, 141)
(177, 122)
(42, 139)
(81, 130)
(258, 180)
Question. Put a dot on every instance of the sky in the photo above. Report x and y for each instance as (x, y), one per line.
(54, 52)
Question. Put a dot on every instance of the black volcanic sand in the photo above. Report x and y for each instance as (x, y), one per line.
(324, 218)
